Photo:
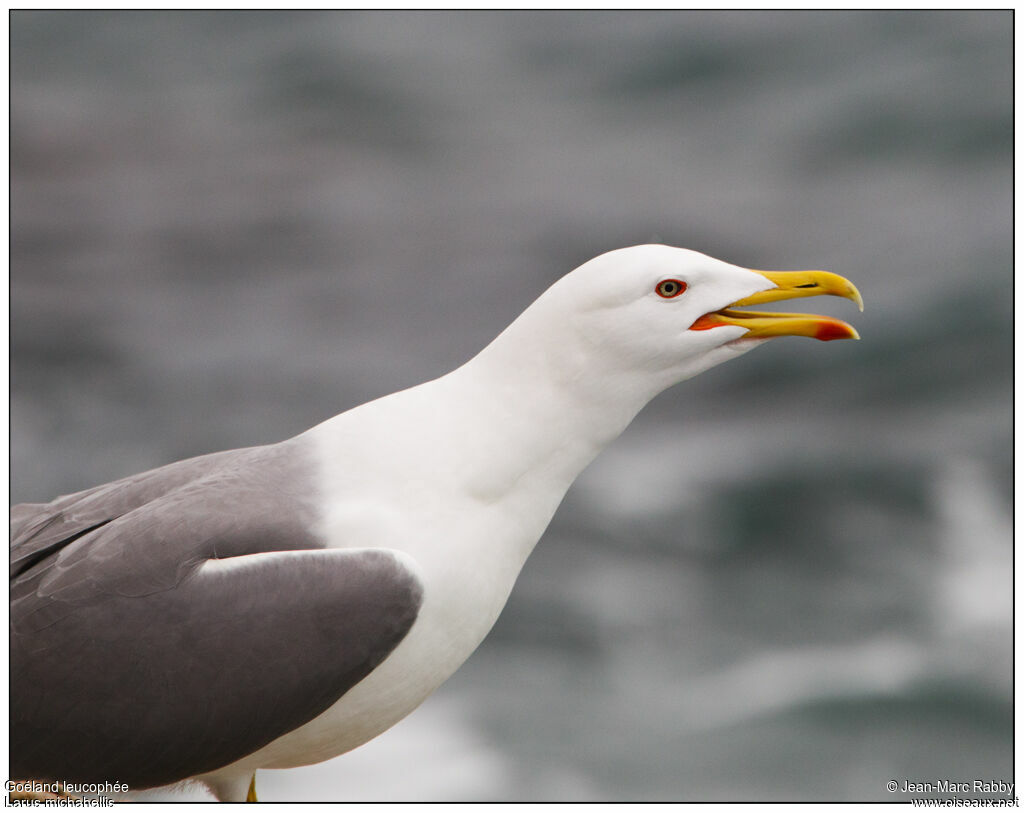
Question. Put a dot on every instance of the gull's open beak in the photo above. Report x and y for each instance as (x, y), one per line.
(788, 285)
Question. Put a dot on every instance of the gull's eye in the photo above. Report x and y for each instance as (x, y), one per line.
(670, 288)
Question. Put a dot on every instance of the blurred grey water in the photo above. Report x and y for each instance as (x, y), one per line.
(791, 577)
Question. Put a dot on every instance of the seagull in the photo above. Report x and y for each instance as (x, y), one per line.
(280, 605)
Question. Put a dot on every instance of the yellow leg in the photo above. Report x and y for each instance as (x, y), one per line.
(251, 795)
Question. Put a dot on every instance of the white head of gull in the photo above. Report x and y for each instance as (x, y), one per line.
(277, 606)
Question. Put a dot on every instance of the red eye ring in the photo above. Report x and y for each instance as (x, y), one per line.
(670, 288)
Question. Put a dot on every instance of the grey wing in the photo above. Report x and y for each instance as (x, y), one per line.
(39, 529)
(135, 658)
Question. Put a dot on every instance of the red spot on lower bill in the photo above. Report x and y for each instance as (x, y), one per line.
(829, 330)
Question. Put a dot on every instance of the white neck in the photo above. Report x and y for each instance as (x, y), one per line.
(508, 432)
(535, 410)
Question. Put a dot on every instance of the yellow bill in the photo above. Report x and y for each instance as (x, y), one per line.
(789, 285)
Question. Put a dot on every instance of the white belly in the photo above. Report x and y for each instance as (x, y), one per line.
(418, 665)
(462, 598)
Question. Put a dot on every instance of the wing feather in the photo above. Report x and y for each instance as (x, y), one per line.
(169, 624)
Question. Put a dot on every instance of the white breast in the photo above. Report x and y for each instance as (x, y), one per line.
(467, 554)
(460, 477)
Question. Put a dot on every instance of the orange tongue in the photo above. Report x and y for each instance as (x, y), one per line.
(706, 322)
